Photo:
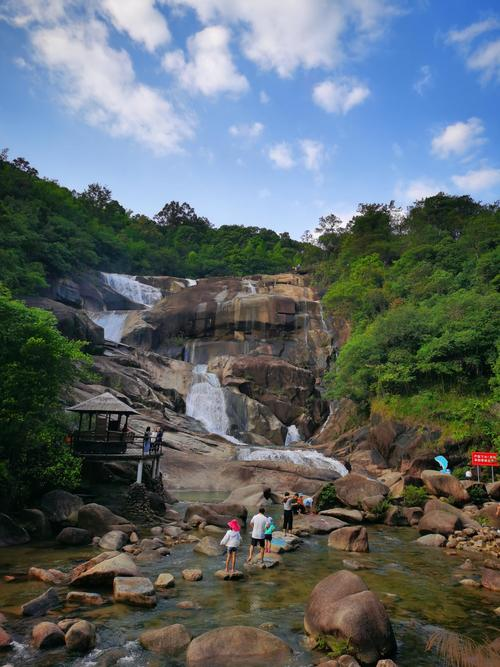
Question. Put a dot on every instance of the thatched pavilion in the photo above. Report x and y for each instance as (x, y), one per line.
(103, 434)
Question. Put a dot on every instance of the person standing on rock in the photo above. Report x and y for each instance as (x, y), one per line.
(258, 525)
(232, 540)
(146, 440)
(287, 513)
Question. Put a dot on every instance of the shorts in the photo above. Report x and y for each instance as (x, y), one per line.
(287, 519)
(268, 538)
(260, 542)
(232, 550)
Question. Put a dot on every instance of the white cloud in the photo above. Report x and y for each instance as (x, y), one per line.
(139, 19)
(478, 180)
(23, 13)
(459, 138)
(424, 80)
(313, 154)
(486, 60)
(467, 35)
(100, 82)
(340, 96)
(247, 131)
(283, 35)
(397, 150)
(264, 97)
(281, 155)
(419, 188)
(210, 69)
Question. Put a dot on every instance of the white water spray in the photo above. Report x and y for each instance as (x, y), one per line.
(206, 403)
(302, 457)
(292, 435)
(132, 288)
(191, 282)
(112, 321)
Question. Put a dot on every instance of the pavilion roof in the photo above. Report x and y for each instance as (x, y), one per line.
(104, 403)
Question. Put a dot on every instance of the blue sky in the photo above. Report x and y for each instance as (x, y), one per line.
(256, 112)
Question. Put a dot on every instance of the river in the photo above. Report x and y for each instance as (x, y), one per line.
(417, 585)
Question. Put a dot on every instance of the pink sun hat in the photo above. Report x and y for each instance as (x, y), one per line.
(234, 525)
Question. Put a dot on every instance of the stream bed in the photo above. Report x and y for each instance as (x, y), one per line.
(416, 584)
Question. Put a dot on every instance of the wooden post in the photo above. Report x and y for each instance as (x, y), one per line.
(139, 472)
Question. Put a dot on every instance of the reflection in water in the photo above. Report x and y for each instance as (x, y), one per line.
(415, 584)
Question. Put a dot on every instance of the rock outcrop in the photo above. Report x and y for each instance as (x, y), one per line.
(99, 520)
(170, 640)
(11, 533)
(350, 538)
(354, 488)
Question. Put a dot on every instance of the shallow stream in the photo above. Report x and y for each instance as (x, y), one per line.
(417, 585)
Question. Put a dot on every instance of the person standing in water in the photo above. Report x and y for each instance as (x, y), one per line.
(268, 535)
(287, 513)
(258, 526)
(232, 540)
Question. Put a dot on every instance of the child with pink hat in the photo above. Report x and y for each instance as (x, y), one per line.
(232, 540)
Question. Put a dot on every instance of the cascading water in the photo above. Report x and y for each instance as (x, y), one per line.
(191, 282)
(112, 321)
(133, 289)
(205, 401)
(249, 285)
(297, 456)
(292, 435)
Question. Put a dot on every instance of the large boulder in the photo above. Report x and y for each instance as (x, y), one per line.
(5, 639)
(209, 546)
(136, 591)
(47, 635)
(493, 490)
(11, 533)
(252, 496)
(55, 577)
(354, 488)
(99, 520)
(437, 521)
(317, 524)
(432, 540)
(40, 605)
(114, 540)
(341, 605)
(80, 637)
(36, 523)
(235, 646)
(102, 572)
(465, 518)
(349, 516)
(350, 538)
(440, 484)
(216, 514)
(61, 506)
(74, 536)
(169, 640)
(491, 579)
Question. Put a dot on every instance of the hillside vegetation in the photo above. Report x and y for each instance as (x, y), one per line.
(47, 231)
(421, 293)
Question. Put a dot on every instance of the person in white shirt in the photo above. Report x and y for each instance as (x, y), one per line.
(232, 540)
(258, 525)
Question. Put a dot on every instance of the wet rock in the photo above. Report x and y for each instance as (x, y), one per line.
(173, 531)
(188, 604)
(209, 546)
(467, 565)
(102, 573)
(11, 533)
(216, 514)
(352, 564)
(267, 564)
(413, 515)
(41, 604)
(434, 540)
(386, 663)
(351, 538)
(156, 531)
(235, 646)
(60, 506)
(471, 583)
(47, 635)
(395, 516)
(443, 523)
(111, 657)
(66, 623)
(36, 523)
(342, 605)
(490, 579)
(136, 591)
(165, 580)
(344, 514)
(252, 496)
(99, 520)
(82, 598)
(192, 574)
(370, 502)
(134, 537)
(282, 543)
(113, 541)
(80, 638)
(448, 486)
(149, 557)
(74, 536)
(493, 490)
(317, 524)
(55, 577)
(5, 639)
(170, 640)
(229, 576)
(354, 488)
(438, 505)
(215, 531)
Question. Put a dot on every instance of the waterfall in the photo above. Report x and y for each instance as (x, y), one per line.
(112, 321)
(205, 401)
(249, 285)
(191, 282)
(292, 435)
(132, 288)
(301, 457)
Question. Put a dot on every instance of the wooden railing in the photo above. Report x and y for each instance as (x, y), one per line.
(86, 443)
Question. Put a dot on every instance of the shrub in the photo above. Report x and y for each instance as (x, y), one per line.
(335, 646)
(414, 496)
(381, 508)
(478, 494)
(327, 498)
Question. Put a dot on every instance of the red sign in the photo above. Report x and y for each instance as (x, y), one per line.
(485, 459)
